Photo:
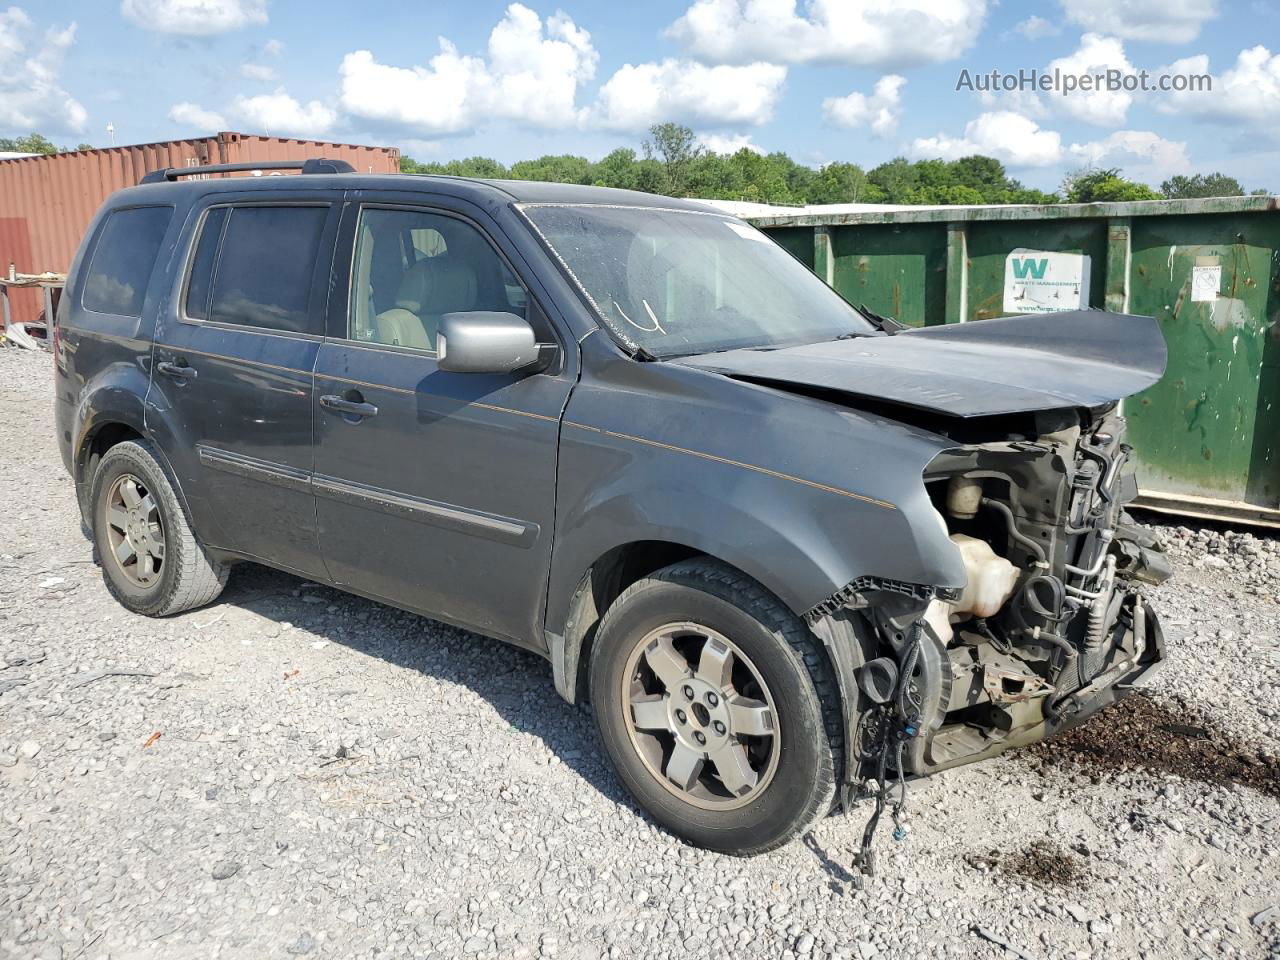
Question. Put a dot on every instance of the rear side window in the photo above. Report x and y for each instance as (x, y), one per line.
(253, 266)
(123, 258)
(200, 285)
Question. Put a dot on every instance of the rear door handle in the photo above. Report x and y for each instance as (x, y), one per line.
(179, 371)
(352, 408)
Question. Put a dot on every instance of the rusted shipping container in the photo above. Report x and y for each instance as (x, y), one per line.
(46, 202)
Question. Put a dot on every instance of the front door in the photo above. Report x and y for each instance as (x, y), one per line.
(434, 490)
(232, 374)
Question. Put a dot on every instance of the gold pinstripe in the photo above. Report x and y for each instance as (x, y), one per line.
(765, 471)
(736, 463)
(222, 356)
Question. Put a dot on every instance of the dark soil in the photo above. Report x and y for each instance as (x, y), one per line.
(1140, 733)
(1043, 863)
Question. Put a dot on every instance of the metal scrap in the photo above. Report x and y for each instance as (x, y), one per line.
(999, 941)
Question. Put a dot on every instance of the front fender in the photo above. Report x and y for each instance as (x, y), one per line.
(803, 541)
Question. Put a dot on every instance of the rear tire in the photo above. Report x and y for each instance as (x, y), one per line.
(739, 747)
(152, 562)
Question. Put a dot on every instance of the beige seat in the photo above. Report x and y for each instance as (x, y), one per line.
(401, 325)
(428, 289)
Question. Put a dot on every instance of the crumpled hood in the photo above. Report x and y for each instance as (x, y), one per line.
(1084, 358)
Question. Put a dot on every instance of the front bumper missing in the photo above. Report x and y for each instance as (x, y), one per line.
(1120, 679)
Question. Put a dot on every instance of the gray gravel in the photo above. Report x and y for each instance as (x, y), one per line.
(296, 772)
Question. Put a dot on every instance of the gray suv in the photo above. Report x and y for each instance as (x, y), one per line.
(791, 552)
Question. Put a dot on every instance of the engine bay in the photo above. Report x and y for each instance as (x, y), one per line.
(1050, 619)
(1049, 627)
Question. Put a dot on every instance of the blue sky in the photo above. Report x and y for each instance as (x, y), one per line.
(857, 80)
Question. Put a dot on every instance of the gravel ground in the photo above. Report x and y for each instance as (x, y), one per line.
(293, 771)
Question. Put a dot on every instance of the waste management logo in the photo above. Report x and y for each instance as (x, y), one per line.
(1043, 281)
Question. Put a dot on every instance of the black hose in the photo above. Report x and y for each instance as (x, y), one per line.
(1014, 532)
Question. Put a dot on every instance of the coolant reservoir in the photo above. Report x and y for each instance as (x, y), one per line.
(991, 578)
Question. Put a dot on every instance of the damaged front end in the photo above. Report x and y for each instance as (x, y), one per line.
(1051, 624)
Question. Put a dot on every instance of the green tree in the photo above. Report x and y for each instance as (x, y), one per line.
(482, 167)
(1181, 187)
(31, 143)
(565, 168)
(1103, 186)
(844, 183)
(620, 169)
(676, 148)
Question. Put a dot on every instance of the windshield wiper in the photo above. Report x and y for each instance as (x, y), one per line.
(643, 355)
(884, 324)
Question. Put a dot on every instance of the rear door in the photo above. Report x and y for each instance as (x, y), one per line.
(434, 490)
(233, 370)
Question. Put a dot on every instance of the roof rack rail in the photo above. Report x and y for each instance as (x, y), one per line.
(313, 165)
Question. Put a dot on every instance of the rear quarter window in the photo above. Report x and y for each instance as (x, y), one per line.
(123, 258)
(265, 262)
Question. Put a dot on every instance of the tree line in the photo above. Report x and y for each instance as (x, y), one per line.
(672, 162)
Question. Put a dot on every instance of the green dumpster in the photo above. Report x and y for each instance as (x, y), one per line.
(1208, 270)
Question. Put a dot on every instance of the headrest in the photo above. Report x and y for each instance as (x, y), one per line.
(454, 286)
(413, 286)
(437, 285)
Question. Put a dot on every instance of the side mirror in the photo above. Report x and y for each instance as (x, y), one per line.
(482, 341)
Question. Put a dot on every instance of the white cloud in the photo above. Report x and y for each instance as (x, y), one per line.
(194, 115)
(1158, 156)
(258, 71)
(879, 111)
(532, 75)
(1249, 92)
(1161, 21)
(1026, 102)
(1021, 142)
(638, 96)
(718, 143)
(1096, 55)
(1009, 137)
(194, 17)
(279, 114)
(889, 33)
(1036, 28)
(273, 48)
(31, 93)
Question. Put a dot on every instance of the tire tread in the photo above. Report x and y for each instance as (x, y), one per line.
(199, 579)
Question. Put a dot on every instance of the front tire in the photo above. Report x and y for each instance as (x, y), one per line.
(151, 561)
(718, 708)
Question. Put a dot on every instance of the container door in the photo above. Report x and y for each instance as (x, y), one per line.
(1209, 428)
(232, 375)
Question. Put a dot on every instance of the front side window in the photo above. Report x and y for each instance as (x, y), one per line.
(253, 266)
(412, 267)
(123, 258)
(681, 282)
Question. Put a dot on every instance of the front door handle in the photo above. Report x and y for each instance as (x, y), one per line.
(350, 406)
(179, 371)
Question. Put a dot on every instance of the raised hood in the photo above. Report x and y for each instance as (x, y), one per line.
(1084, 358)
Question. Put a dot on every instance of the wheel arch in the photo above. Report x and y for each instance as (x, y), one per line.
(605, 580)
(105, 429)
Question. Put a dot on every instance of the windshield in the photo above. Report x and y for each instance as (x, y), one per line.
(681, 282)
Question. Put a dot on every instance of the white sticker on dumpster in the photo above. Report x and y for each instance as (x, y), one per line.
(1043, 281)
(1205, 282)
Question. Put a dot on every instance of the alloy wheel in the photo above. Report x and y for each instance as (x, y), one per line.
(700, 716)
(135, 532)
